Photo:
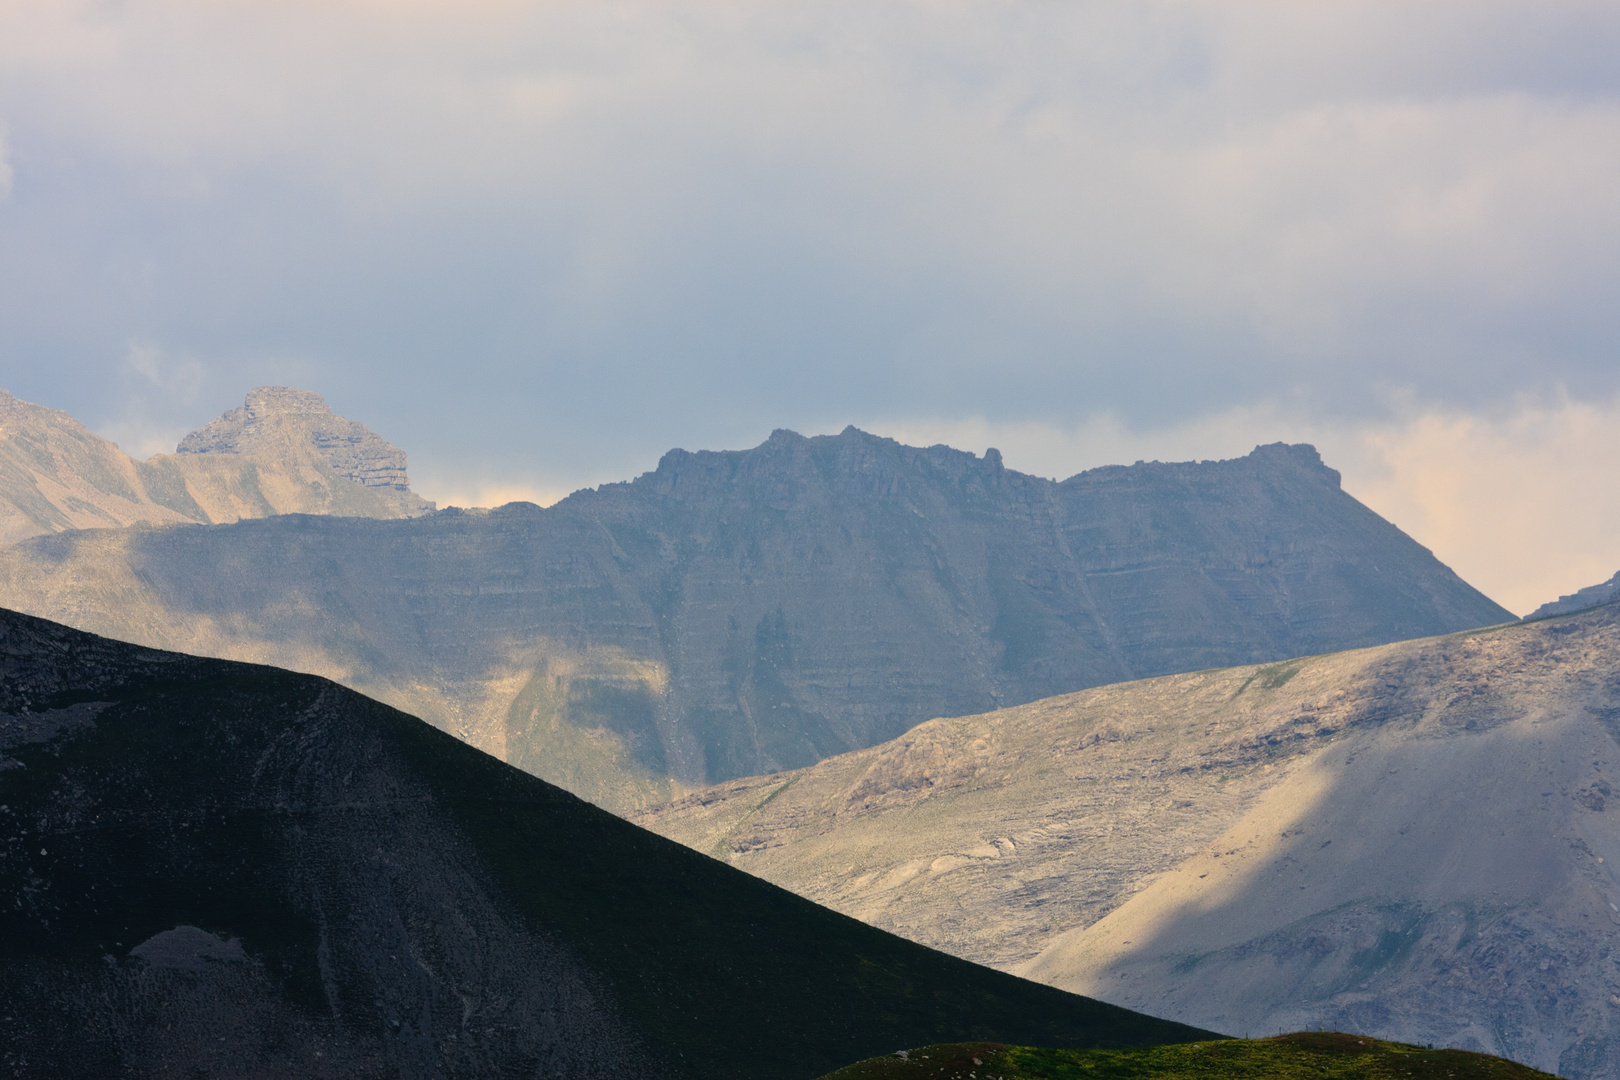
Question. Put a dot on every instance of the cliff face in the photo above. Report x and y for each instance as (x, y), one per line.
(1415, 841)
(281, 423)
(222, 870)
(285, 452)
(1580, 600)
(736, 613)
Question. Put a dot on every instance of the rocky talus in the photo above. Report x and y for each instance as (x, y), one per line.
(218, 870)
(57, 475)
(736, 613)
(1416, 841)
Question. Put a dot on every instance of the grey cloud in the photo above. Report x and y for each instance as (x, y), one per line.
(548, 242)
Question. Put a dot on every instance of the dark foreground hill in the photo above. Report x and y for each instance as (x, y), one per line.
(735, 613)
(212, 869)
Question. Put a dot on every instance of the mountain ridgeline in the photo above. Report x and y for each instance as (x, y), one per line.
(224, 870)
(284, 451)
(734, 613)
(1592, 596)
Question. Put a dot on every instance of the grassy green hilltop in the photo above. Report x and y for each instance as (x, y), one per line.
(1308, 1055)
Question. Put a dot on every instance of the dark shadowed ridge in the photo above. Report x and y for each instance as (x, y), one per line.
(735, 613)
(219, 869)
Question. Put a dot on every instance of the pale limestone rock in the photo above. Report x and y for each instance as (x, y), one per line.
(283, 452)
(734, 613)
(279, 421)
(1416, 841)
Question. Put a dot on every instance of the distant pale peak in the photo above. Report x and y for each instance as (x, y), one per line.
(283, 423)
(268, 400)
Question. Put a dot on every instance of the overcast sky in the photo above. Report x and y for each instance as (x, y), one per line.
(538, 244)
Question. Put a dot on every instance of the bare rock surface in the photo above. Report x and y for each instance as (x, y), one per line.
(280, 422)
(735, 613)
(219, 870)
(1416, 841)
(284, 452)
(1580, 600)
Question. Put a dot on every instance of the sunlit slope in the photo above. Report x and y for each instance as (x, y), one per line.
(734, 613)
(56, 474)
(215, 869)
(1414, 840)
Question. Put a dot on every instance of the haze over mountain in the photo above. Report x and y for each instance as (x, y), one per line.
(735, 613)
(283, 452)
(216, 869)
(1415, 841)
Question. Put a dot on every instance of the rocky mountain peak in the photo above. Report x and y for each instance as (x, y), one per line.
(17, 415)
(1301, 456)
(1605, 592)
(281, 420)
(283, 452)
(269, 400)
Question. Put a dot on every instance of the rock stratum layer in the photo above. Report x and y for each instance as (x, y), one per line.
(284, 452)
(222, 870)
(736, 613)
(281, 422)
(1416, 841)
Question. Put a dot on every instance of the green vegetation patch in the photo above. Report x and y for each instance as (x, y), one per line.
(1316, 1055)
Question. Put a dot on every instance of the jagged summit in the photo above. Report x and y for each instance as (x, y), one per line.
(283, 452)
(737, 612)
(1604, 592)
(276, 420)
(785, 444)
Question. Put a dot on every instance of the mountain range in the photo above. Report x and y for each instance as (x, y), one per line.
(228, 870)
(1416, 840)
(736, 613)
(283, 452)
(1203, 756)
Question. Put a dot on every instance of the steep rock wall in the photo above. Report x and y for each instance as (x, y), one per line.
(735, 613)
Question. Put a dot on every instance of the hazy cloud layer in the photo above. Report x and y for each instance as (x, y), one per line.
(537, 244)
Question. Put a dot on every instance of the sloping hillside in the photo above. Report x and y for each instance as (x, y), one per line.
(734, 613)
(297, 457)
(1305, 1055)
(1415, 841)
(222, 870)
